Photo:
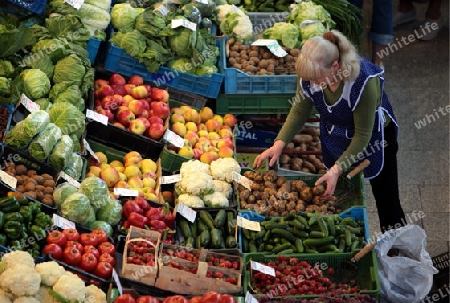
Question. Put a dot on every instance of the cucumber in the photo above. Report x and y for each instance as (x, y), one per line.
(317, 242)
(286, 251)
(185, 228)
(193, 227)
(246, 233)
(220, 218)
(299, 246)
(317, 234)
(298, 233)
(323, 226)
(201, 227)
(277, 225)
(260, 234)
(252, 247)
(245, 245)
(216, 234)
(296, 224)
(207, 219)
(284, 234)
(230, 242)
(190, 242)
(281, 247)
(331, 227)
(231, 224)
(205, 238)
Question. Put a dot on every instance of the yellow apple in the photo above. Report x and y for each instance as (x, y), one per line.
(207, 157)
(104, 165)
(219, 119)
(131, 154)
(101, 157)
(121, 184)
(202, 133)
(123, 177)
(110, 175)
(186, 151)
(213, 136)
(88, 175)
(206, 113)
(151, 197)
(148, 165)
(226, 152)
(132, 171)
(95, 170)
(120, 169)
(149, 182)
(116, 163)
(135, 182)
(191, 126)
(135, 161)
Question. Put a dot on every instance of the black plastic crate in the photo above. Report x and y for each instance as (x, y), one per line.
(442, 261)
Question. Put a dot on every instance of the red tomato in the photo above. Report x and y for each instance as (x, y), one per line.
(56, 237)
(124, 299)
(71, 234)
(100, 235)
(76, 244)
(54, 250)
(72, 256)
(225, 298)
(196, 299)
(88, 239)
(88, 262)
(211, 297)
(147, 299)
(92, 249)
(103, 270)
(175, 299)
(107, 247)
(107, 258)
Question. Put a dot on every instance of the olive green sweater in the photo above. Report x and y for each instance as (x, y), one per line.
(363, 115)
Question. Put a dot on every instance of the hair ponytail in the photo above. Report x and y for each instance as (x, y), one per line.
(348, 57)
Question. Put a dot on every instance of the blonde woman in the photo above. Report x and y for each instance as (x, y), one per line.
(356, 119)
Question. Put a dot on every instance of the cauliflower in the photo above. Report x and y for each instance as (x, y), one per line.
(50, 272)
(4, 297)
(238, 26)
(94, 295)
(43, 295)
(224, 10)
(71, 287)
(191, 201)
(21, 280)
(216, 199)
(26, 300)
(195, 184)
(193, 167)
(223, 187)
(223, 168)
(17, 257)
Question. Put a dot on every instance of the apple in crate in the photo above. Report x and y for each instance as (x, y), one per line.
(119, 89)
(212, 125)
(156, 131)
(179, 128)
(99, 83)
(112, 102)
(159, 94)
(136, 80)
(117, 79)
(137, 126)
(125, 117)
(136, 106)
(155, 119)
(105, 90)
(177, 118)
(139, 92)
(145, 121)
(107, 113)
(110, 175)
(160, 109)
(230, 120)
(129, 88)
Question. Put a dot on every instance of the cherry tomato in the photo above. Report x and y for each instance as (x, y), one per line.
(225, 298)
(196, 299)
(127, 298)
(107, 247)
(76, 244)
(175, 299)
(54, 250)
(100, 235)
(88, 239)
(92, 249)
(72, 256)
(147, 299)
(105, 257)
(56, 237)
(88, 262)
(211, 297)
(103, 270)
(71, 234)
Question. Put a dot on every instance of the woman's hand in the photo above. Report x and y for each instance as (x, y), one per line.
(273, 153)
(330, 178)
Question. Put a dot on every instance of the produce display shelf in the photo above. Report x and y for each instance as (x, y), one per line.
(93, 46)
(118, 61)
(185, 98)
(238, 82)
(250, 102)
(35, 6)
(10, 109)
(367, 277)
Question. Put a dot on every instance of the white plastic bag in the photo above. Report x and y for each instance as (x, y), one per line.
(408, 277)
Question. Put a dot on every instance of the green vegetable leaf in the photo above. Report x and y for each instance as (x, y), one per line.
(12, 41)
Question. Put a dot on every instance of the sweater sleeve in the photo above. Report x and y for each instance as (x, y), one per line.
(364, 118)
(299, 113)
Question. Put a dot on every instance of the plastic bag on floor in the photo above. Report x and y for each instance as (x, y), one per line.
(408, 277)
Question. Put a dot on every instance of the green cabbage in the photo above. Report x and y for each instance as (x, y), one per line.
(36, 84)
(75, 166)
(43, 103)
(21, 134)
(76, 208)
(5, 86)
(6, 68)
(205, 70)
(70, 68)
(103, 226)
(62, 191)
(206, 9)
(286, 34)
(123, 17)
(311, 29)
(103, 4)
(133, 42)
(94, 18)
(183, 42)
(76, 143)
(42, 145)
(308, 10)
(152, 24)
(67, 117)
(111, 212)
(192, 13)
(45, 64)
(55, 48)
(96, 191)
(67, 91)
(90, 218)
(182, 64)
(69, 27)
(62, 152)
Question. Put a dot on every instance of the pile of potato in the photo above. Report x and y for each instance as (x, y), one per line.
(258, 60)
(306, 140)
(31, 184)
(273, 195)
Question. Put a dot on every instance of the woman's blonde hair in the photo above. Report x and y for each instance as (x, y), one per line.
(320, 52)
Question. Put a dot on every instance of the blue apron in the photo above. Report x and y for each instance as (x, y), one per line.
(337, 126)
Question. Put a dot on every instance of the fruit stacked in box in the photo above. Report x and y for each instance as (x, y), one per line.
(131, 296)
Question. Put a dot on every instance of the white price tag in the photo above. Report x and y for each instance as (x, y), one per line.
(247, 224)
(118, 283)
(8, 180)
(163, 10)
(185, 23)
(89, 149)
(202, 1)
(97, 117)
(62, 222)
(69, 179)
(126, 192)
(246, 182)
(173, 138)
(186, 212)
(249, 298)
(75, 3)
(170, 179)
(236, 9)
(272, 45)
(262, 268)
(29, 104)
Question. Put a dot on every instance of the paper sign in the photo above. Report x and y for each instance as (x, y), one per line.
(163, 10)
(262, 268)
(244, 181)
(97, 117)
(75, 3)
(173, 138)
(272, 45)
(69, 179)
(170, 179)
(8, 180)
(185, 23)
(89, 149)
(62, 222)
(126, 192)
(249, 298)
(247, 224)
(116, 279)
(202, 1)
(29, 104)
(186, 212)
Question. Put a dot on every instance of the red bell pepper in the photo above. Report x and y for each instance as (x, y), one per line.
(130, 207)
(157, 225)
(154, 213)
(137, 220)
(169, 218)
(142, 203)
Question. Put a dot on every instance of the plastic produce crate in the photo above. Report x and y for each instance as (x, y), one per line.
(262, 21)
(171, 161)
(251, 104)
(92, 47)
(7, 121)
(367, 277)
(238, 82)
(118, 61)
(195, 101)
(35, 6)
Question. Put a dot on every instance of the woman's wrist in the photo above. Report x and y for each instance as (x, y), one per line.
(336, 169)
(279, 144)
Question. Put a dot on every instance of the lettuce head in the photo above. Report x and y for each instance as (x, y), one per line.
(70, 68)
(123, 17)
(286, 34)
(36, 84)
(76, 208)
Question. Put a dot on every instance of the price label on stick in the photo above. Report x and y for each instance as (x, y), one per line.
(8, 180)
(163, 10)
(247, 224)
(62, 222)
(186, 212)
(69, 179)
(185, 23)
(272, 45)
(262, 268)
(118, 283)
(249, 298)
(244, 181)
(89, 149)
(29, 104)
(173, 138)
(126, 192)
(170, 179)
(75, 3)
(97, 117)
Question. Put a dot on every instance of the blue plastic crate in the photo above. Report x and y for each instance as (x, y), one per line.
(238, 82)
(35, 6)
(92, 47)
(118, 61)
(10, 109)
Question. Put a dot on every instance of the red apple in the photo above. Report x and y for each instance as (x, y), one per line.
(160, 109)
(136, 80)
(99, 83)
(125, 117)
(197, 153)
(119, 89)
(97, 102)
(149, 89)
(136, 106)
(106, 90)
(145, 121)
(129, 88)
(145, 104)
(155, 120)
(230, 120)
(145, 114)
(107, 113)
(117, 79)
(137, 126)
(139, 92)
(112, 102)
(213, 125)
(159, 94)
(156, 131)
